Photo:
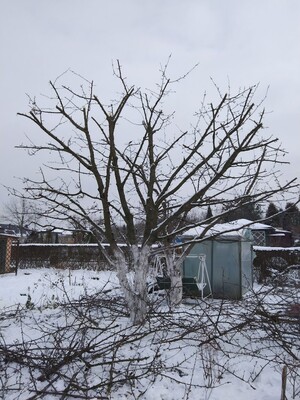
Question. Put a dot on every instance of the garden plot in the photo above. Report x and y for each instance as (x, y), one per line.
(67, 334)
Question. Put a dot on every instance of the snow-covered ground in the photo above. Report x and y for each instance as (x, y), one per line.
(202, 350)
(44, 285)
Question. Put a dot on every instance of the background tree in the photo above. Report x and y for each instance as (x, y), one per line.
(274, 215)
(291, 217)
(126, 162)
(209, 213)
(20, 212)
(242, 207)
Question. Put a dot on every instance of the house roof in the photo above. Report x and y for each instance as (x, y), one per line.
(10, 235)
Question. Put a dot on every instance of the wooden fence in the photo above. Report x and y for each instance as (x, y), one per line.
(73, 256)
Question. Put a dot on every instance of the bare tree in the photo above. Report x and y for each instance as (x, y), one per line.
(274, 215)
(19, 212)
(158, 175)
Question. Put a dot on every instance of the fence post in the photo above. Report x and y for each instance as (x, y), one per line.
(17, 256)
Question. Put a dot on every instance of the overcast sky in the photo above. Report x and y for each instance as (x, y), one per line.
(243, 41)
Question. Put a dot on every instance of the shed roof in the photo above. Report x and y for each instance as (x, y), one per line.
(231, 230)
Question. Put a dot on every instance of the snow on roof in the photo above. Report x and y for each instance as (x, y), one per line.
(230, 229)
(253, 225)
(277, 248)
(238, 228)
(10, 235)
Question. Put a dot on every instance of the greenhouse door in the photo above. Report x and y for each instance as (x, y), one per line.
(226, 270)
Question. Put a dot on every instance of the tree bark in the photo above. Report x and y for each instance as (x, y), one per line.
(283, 383)
(134, 285)
(175, 274)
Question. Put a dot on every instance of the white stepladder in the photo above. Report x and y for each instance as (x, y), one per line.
(159, 265)
(202, 278)
(157, 271)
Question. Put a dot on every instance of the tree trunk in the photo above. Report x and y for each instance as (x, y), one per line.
(135, 290)
(283, 383)
(175, 274)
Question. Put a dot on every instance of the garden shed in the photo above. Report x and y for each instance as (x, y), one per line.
(8, 250)
(228, 262)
